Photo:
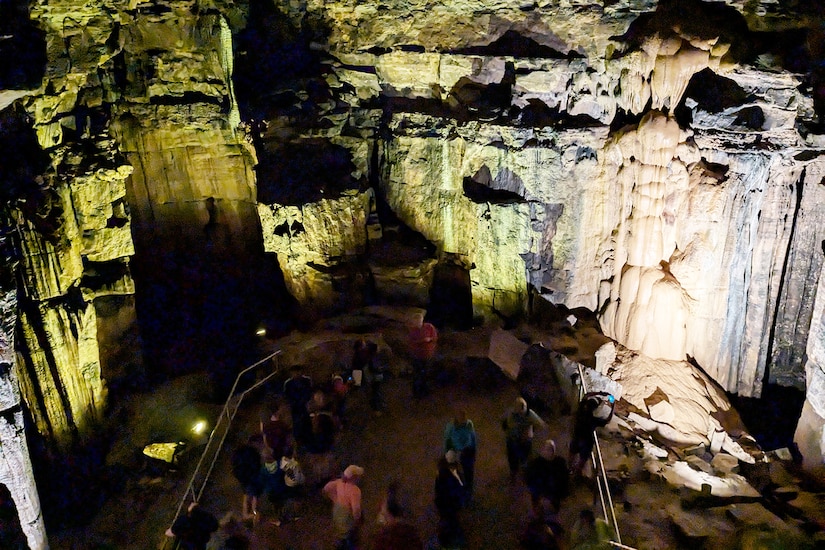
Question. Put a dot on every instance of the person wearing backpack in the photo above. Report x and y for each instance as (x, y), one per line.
(595, 410)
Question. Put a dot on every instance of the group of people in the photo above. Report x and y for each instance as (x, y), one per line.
(306, 421)
(545, 473)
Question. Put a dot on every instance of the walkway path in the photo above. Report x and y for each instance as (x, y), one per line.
(405, 444)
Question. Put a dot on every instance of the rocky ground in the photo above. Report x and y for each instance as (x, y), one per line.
(785, 510)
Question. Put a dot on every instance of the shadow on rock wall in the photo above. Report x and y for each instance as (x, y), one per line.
(22, 48)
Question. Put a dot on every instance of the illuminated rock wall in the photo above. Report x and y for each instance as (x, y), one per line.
(654, 168)
(76, 246)
(311, 241)
(15, 465)
(192, 194)
(633, 159)
(676, 227)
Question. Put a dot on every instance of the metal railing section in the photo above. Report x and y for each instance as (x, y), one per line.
(606, 500)
(214, 445)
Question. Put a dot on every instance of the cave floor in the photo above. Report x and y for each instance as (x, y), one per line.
(404, 444)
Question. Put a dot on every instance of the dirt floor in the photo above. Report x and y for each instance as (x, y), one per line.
(404, 444)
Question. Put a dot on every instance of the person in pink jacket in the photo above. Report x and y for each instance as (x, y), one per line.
(346, 507)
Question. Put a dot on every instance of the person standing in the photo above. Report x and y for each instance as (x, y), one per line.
(298, 392)
(246, 467)
(460, 436)
(520, 425)
(378, 370)
(193, 529)
(231, 535)
(595, 410)
(395, 532)
(450, 497)
(363, 355)
(347, 516)
(547, 477)
(423, 343)
(276, 432)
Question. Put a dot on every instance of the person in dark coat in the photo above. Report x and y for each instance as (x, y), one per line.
(595, 410)
(543, 531)
(395, 533)
(231, 536)
(450, 497)
(193, 529)
(547, 477)
(246, 467)
(520, 425)
(298, 392)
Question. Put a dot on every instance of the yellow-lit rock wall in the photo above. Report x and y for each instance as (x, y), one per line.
(674, 227)
(311, 240)
(87, 224)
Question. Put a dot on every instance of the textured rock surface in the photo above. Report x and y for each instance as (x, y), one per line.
(314, 239)
(810, 432)
(692, 230)
(16, 472)
(674, 394)
(656, 162)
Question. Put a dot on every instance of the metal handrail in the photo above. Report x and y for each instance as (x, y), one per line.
(601, 475)
(229, 415)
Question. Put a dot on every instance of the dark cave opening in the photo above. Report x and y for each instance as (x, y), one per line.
(771, 419)
(514, 44)
(451, 296)
(304, 172)
(22, 48)
(274, 55)
(712, 93)
(200, 311)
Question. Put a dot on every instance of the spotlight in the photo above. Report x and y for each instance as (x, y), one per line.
(261, 331)
(199, 427)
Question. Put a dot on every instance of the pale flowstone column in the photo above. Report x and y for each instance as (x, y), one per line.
(648, 308)
(15, 466)
(810, 431)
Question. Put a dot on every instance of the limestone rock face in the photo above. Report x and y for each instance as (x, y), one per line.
(638, 215)
(684, 212)
(675, 395)
(16, 472)
(76, 244)
(810, 432)
(486, 194)
(656, 162)
(314, 240)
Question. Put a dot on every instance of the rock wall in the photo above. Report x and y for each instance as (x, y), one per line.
(16, 472)
(656, 162)
(75, 237)
(675, 226)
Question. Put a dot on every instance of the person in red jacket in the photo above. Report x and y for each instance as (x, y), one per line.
(423, 344)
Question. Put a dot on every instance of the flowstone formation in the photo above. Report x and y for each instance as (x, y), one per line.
(659, 164)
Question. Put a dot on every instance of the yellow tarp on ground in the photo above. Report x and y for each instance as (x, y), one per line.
(161, 451)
